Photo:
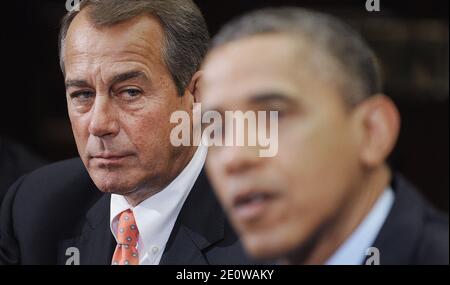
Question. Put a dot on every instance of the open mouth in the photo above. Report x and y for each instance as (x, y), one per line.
(252, 205)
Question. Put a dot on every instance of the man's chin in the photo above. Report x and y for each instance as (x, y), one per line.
(273, 243)
(263, 252)
(113, 184)
(111, 181)
(259, 247)
(113, 188)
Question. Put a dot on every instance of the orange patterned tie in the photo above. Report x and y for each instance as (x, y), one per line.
(127, 236)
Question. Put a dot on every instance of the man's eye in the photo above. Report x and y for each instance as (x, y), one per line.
(277, 112)
(82, 95)
(130, 93)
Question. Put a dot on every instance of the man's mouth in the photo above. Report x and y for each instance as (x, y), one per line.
(110, 158)
(252, 204)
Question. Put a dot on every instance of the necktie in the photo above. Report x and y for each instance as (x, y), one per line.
(127, 237)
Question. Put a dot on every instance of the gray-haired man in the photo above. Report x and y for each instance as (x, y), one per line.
(128, 65)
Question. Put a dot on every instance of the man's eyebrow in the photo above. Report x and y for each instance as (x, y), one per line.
(265, 98)
(127, 76)
(116, 79)
(271, 97)
(76, 83)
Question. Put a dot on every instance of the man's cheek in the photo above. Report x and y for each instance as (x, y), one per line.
(81, 136)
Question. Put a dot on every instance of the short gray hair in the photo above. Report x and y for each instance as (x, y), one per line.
(331, 35)
(186, 35)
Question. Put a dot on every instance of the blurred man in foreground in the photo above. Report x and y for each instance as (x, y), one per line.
(328, 196)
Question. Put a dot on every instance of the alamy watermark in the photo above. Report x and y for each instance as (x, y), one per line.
(233, 128)
(72, 5)
(373, 5)
(74, 256)
(373, 256)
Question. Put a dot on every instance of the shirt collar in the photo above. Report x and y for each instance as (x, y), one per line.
(353, 250)
(156, 215)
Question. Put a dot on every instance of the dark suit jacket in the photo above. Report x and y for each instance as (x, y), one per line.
(58, 206)
(15, 161)
(414, 232)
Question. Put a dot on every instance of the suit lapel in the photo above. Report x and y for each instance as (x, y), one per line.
(398, 237)
(96, 243)
(199, 225)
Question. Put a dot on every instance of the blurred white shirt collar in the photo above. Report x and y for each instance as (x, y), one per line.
(353, 250)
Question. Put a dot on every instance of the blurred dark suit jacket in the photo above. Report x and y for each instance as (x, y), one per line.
(58, 206)
(414, 232)
(15, 161)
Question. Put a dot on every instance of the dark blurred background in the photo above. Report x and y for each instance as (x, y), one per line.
(410, 37)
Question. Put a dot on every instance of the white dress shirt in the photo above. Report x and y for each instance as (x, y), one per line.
(353, 250)
(156, 216)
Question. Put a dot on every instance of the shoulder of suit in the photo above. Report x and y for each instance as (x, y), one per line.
(434, 238)
(65, 170)
(414, 232)
(65, 177)
(432, 246)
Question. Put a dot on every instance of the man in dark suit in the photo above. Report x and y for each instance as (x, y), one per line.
(328, 195)
(70, 212)
(128, 65)
(413, 232)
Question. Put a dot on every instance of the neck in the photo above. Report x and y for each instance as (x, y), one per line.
(347, 218)
(144, 192)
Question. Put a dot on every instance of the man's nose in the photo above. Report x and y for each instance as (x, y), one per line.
(238, 159)
(104, 118)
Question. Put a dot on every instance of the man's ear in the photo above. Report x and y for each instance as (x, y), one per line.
(380, 123)
(193, 86)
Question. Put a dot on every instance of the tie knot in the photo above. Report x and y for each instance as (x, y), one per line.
(127, 229)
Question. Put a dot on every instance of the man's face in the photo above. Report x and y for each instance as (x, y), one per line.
(120, 96)
(278, 203)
